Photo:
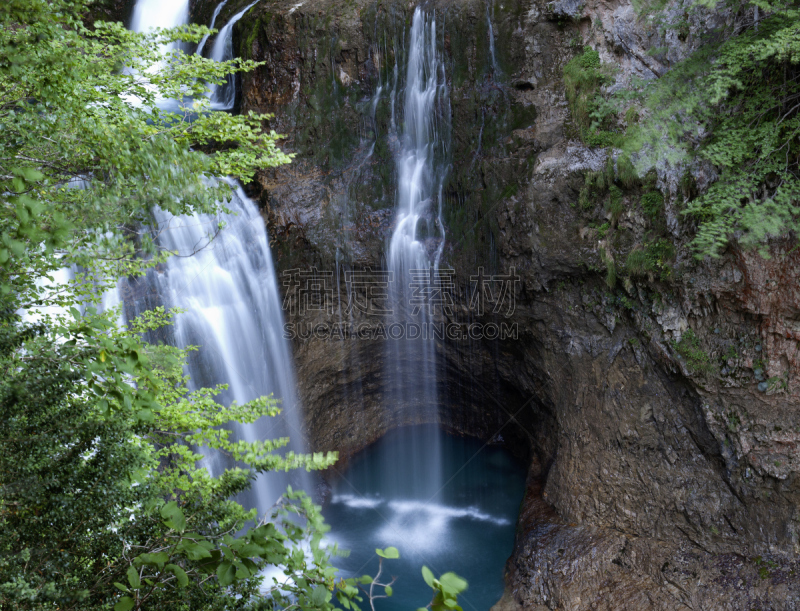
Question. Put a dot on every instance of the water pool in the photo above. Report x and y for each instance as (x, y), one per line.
(447, 502)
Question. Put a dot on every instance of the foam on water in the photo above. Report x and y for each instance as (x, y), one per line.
(467, 528)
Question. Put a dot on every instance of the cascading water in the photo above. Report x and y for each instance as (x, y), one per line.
(229, 292)
(233, 313)
(417, 243)
(214, 16)
(149, 14)
(418, 238)
(492, 54)
(223, 96)
(443, 502)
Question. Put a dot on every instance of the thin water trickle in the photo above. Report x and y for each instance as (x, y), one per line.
(223, 97)
(492, 55)
(214, 16)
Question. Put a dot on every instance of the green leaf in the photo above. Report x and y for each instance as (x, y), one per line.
(453, 583)
(31, 175)
(320, 595)
(250, 550)
(133, 578)
(172, 514)
(125, 604)
(389, 590)
(427, 575)
(183, 578)
(193, 551)
(121, 586)
(242, 572)
(390, 552)
(156, 559)
(226, 573)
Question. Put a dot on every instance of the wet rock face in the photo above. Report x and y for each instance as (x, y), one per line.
(659, 416)
(109, 10)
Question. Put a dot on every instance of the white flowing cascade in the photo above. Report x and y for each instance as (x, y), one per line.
(492, 53)
(149, 14)
(418, 241)
(419, 181)
(228, 289)
(214, 16)
(223, 96)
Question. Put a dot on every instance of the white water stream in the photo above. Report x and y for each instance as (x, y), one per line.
(149, 14)
(417, 242)
(214, 16)
(227, 286)
(223, 96)
(228, 289)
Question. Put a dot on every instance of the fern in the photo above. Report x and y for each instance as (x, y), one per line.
(734, 104)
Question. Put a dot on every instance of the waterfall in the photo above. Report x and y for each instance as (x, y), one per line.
(223, 277)
(223, 96)
(418, 240)
(149, 14)
(228, 289)
(495, 68)
(203, 40)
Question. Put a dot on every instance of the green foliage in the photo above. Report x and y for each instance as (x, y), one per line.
(765, 567)
(615, 206)
(71, 116)
(592, 112)
(639, 263)
(582, 78)
(652, 203)
(593, 190)
(626, 171)
(602, 138)
(653, 257)
(690, 349)
(104, 502)
(103, 499)
(445, 590)
(733, 104)
(631, 116)
(642, 7)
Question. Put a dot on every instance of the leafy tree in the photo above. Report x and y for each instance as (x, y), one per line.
(99, 484)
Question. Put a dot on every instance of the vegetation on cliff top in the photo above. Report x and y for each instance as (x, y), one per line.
(731, 105)
(734, 105)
